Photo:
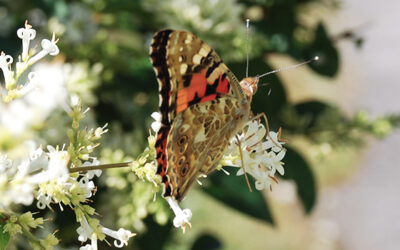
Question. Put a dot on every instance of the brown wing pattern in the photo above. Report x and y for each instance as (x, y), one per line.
(199, 137)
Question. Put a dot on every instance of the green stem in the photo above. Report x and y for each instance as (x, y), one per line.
(104, 166)
(32, 239)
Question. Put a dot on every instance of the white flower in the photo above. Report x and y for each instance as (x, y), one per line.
(156, 125)
(5, 62)
(182, 217)
(44, 92)
(121, 236)
(5, 163)
(92, 246)
(91, 173)
(262, 157)
(14, 184)
(38, 160)
(26, 34)
(21, 192)
(75, 100)
(56, 169)
(87, 185)
(84, 230)
(273, 142)
(43, 201)
(48, 47)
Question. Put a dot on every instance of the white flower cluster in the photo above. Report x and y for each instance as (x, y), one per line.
(25, 104)
(262, 154)
(18, 182)
(44, 175)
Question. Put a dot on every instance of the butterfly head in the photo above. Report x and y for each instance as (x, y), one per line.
(249, 86)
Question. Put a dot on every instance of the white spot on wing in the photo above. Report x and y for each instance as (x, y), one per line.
(188, 39)
(203, 52)
(197, 58)
(183, 68)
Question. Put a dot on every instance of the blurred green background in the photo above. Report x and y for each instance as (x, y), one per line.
(104, 59)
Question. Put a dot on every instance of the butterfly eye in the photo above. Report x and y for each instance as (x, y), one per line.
(185, 169)
(182, 140)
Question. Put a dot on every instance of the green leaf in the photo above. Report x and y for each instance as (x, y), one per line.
(206, 241)
(4, 236)
(156, 236)
(298, 170)
(323, 47)
(233, 191)
(312, 110)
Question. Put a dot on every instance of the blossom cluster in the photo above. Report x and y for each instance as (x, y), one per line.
(45, 175)
(257, 152)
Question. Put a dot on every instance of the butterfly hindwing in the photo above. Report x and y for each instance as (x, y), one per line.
(198, 138)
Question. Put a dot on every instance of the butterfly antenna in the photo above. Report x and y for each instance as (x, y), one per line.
(247, 46)
(289, 67)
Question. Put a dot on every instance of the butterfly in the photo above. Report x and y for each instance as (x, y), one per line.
(202, 105)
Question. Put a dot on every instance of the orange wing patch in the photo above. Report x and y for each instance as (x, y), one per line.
(201, 89)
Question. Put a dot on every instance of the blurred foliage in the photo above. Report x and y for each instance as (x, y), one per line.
(110, 41)
(234, 192)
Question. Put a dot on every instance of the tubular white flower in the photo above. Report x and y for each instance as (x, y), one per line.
(49, 47)
(26, 34)
(122, 236)
(43, 201)
(182, 217)
(5, 61)
(92, 246)
(84, 230)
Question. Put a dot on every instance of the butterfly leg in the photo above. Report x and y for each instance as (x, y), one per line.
(241, 158)
(258, 116)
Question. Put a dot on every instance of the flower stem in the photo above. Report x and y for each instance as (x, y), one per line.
(103, 166)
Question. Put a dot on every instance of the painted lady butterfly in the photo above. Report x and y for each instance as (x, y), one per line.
(202, 106)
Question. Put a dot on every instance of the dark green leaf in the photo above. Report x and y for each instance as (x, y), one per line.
(206, 242)
(298, 170)
(156, 236)
(323, 47)
(233, 191)
(312, 110)
(4, 236)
